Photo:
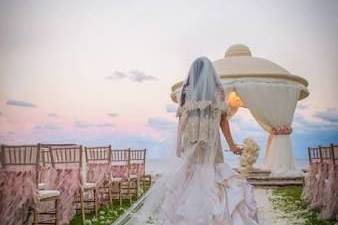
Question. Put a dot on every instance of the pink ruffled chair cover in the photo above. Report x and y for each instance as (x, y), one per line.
(329, 207)
(98, 173)
(68, 182)
(120, 171)
(137, 169)
(318, 188)
(321, 189)
(310, 182)
(14, 207)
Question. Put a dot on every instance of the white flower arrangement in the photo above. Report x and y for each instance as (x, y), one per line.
(249, 156)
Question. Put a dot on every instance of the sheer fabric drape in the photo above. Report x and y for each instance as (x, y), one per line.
(273, 106)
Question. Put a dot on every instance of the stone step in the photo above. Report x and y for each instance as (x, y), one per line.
(276, 183)
(265, 178)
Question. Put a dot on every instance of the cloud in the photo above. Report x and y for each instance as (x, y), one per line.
(113, 114)
(104, 125)
(321, 121)
(139, 76)
(20, 103)
(135, 75)
(84, 125)
(116, 75)
(47, 127)
(54, 115)
(171, 108)
(161, 123)
(329, 115)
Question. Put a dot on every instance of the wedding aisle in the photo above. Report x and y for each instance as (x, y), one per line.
(267, 215)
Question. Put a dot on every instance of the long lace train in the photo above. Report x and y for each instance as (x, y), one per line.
(200, 195)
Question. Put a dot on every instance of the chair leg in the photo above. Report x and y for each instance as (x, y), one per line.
(82, 207)
(137, 189)
(56, 211)
(120, 194)
(130, 192)
(110, 194)
(35, 217)
(95, 201)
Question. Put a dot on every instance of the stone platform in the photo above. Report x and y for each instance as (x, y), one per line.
(261, 178)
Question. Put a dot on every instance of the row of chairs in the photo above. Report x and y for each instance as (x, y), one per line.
(321, 181)
(96, 173)
(323, 154)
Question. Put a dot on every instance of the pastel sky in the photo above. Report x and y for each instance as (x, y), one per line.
(100, 72)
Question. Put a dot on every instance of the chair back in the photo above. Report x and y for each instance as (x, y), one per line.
(120, 156)
(314, 155)
(45, 157)
(21, 157)
(137, 161)
(96, 155)
(324, 155)
(138, 156)
(66, 155)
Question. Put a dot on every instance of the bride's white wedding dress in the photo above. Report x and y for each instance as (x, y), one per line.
(204, 190)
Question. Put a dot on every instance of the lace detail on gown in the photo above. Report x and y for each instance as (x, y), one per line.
(196, 131)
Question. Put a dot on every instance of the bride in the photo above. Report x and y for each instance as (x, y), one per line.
(204, 190)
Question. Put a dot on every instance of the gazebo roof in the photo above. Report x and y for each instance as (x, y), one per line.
(238, 62)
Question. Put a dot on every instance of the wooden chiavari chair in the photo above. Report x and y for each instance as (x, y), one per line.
(127, 186)
(137, 164)
(73, 155)
(45, 160)
(101, 156)
(29, 155)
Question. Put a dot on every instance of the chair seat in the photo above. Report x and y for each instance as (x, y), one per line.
(89, 186)
(116, 179)
(42, 186)
(43, 194)
(132, 176)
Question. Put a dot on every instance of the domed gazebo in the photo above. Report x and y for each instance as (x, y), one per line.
(270, 93)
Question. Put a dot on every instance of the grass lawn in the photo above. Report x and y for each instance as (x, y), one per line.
(289, 202)
(106, 215)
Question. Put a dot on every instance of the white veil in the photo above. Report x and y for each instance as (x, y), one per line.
(202, 83)
(201, 95)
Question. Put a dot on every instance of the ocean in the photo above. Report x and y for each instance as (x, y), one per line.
(160, 166)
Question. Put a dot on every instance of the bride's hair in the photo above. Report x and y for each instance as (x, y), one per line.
(202, 83)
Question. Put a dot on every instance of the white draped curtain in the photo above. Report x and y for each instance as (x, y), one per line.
(273, 106)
